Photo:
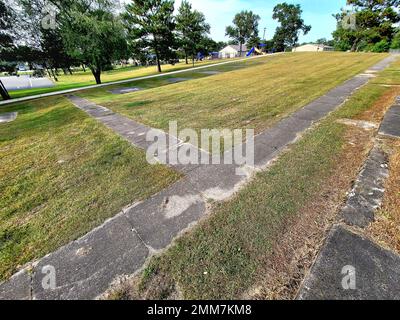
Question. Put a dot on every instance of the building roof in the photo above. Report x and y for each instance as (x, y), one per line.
(237, 47)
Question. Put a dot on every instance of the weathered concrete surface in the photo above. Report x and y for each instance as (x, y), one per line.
(368, 192)
(159, 220)
(124, 90)
(211, 72)
(177, 80)
(120, 246)
(8, 117)
(377, 271)
(17, 288)
(391, 123)
(86, 267)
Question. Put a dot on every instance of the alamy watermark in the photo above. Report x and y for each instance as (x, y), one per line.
(349, 281)
(349, 20)
(180, 147)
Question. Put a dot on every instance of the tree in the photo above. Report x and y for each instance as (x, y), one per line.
(245, 26)
(151, 24)
(92, 33)
(6, 40)
(291, 25)
(192, 28)
(374, 22)
(396, 40)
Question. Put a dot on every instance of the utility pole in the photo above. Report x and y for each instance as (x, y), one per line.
(265, 31)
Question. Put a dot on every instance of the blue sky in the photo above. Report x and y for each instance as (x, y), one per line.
(317, 13)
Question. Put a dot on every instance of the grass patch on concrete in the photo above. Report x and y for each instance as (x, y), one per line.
(255, 96)
(82, 79)
(62, 174)
(223, 256)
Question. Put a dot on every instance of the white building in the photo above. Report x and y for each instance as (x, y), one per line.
(232, 51)
(313, 48)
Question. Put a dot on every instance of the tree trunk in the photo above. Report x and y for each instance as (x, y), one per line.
(84, 68)
(4, 92)
(70, 70)
(193, 60)
(54, 75)
(186, 57)
(241, 48)
(97, 75)
(158, 62)
(355, 45)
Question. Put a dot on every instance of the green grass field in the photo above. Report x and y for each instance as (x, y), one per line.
(256, 96)
(225, 254)
(61, 175)
(82, 79)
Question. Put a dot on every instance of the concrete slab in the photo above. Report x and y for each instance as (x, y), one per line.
(85, 268)
(391, 123)
(8, 117)
(17, 288)
(163, 217)
(368, 191)
(218, 181)
(210, 72)
(177, 80)
(125, 90)
(375, 271)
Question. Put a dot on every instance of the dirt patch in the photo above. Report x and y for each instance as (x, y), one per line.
(295, 250)
(378, 110)
(386, 229)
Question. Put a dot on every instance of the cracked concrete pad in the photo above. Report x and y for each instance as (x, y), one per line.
(382, 64)
(159, 220)
(218, 181)
(124, 90)
(210, 72)
(85, 268)
(368, 192)
(8, 117)
(391, 123)
(177, 80)
(16, 288)
(376, 271)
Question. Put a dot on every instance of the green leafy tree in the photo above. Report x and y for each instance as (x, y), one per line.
(245, 26)
(150, 25)
(6, 42)
(291, 25)
(92, 33)
(192, 29)
(396, 40)
(374, 22)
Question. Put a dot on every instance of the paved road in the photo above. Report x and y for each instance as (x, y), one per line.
(25, 82)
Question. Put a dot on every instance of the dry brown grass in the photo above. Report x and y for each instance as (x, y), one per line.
(386, 229)
(296, 248)
(378, 110)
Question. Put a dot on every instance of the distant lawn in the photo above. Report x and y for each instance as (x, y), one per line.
(82, 79)
(62, 174)
(254, 94)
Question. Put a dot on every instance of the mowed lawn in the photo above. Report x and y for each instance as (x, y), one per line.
(62, 174)
(227, 254)
(82, 79)
(254, 94)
